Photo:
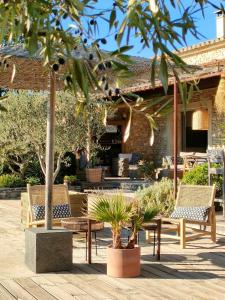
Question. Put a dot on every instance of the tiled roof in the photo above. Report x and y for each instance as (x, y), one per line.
(140, 63)
(141, 68)
(196, 75)
(19, 51)
(201, 45)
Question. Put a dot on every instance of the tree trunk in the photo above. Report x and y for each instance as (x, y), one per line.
(117, 244)
(42, 163)
(58, 165)
(50, 139)
(132, 240)
(88, 146)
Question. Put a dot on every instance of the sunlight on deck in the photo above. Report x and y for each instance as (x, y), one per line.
(197, 272)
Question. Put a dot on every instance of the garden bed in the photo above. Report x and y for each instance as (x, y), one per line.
(11, 193)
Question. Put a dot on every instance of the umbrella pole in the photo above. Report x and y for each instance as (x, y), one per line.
(50, 139)
(175, 109)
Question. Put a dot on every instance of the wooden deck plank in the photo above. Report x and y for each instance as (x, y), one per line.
(5, 295)
(194, 273)
(54, 290)
(88, 286)
(34, 289)
(143, 286)
(16, 290)
(154, 286)
(101, 269)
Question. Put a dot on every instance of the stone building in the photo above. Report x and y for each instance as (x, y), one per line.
(209, 56)
(209, 75)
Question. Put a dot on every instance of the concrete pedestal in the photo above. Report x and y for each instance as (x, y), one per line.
(48, 250)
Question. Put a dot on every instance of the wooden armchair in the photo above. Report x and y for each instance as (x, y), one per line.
(36, 196)
(189, 197)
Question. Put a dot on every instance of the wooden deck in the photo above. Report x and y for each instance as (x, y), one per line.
(197, 272)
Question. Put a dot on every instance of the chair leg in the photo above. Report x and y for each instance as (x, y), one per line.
(178, 229)
(213, 225)
(86, 246)
(154, 244)
(182, 233)
(148, 236)
(96, 246)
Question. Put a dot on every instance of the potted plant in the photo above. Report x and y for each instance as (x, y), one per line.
(70, 179)
(93, 173)
(95, 115)
(147, 169)
(123, 260)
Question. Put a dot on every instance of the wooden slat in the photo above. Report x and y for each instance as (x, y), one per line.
(5, 295)
(34, 289)
(53, 289)
(16, 290)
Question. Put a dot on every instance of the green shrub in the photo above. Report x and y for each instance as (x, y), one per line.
(34, 170)
(147, 169)
(199, 176)
(159, 195)
(11, 180)
(71, 179)
(33, 180)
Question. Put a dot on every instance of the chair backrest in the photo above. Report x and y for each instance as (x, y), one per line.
(195, 195)
(36, 194)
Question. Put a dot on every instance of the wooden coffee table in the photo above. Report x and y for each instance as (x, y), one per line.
(83, 224)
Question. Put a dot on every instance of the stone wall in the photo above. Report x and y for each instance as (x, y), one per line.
(218, 115)
(11, 193)
(163, 144)
(30, 74)
(204, 52)
(138, 140)
(205, 57)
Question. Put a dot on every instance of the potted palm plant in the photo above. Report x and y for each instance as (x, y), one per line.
(93, 173)
(123, 260)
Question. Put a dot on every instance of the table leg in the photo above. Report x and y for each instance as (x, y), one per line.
(159, 223)
(89, 241)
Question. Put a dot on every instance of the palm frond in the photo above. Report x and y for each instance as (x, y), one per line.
(150, 213)
(114, 210)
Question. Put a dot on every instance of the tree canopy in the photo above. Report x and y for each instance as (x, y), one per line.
(56, 28)
(22, 128)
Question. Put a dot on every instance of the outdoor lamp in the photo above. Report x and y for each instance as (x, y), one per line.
(200, 119)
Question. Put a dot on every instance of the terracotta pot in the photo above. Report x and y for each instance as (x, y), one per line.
(123, 262)
(94, 175)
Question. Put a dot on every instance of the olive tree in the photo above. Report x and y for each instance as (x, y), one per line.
(40, 26)
(22, 128)
(56, 28)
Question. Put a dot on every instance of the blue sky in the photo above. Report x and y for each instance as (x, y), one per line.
(206, 26)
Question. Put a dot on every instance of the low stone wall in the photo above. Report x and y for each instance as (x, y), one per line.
(11, 193)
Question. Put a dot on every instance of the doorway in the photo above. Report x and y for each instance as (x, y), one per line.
(192, 140)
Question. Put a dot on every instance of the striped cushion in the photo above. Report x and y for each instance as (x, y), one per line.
(198, 213)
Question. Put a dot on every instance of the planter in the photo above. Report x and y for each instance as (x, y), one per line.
(94, 174)
(48, 250)
(123, 262)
